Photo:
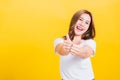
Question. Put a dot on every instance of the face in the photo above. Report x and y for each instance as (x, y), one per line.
(82, 24)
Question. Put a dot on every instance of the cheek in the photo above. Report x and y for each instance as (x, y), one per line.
(87, 26)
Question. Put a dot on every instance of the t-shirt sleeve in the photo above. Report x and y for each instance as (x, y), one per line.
(57, 41)
(92, 44)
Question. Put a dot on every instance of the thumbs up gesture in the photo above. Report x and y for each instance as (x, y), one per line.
(67, 44)
(71, 47)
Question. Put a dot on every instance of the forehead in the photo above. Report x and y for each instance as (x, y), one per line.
(85, 16)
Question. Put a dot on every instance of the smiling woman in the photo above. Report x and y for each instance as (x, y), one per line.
(28, 28)
(76, 48)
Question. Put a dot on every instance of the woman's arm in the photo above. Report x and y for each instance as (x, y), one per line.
(64, 47)
(83, 52)
(60, 49)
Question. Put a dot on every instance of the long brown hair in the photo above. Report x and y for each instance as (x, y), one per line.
(89, 34)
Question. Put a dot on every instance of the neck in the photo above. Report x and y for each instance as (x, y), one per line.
(77, 39)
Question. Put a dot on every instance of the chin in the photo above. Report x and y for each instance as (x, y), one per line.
(78, 34)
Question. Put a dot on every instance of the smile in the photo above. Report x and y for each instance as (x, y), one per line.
(79, 28)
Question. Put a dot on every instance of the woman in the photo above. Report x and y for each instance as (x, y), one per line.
(76, 48)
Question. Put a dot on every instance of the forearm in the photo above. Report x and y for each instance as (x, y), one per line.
(60, 50)
(82, 52)
(85, 52)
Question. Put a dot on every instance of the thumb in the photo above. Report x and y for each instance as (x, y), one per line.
(68, 38)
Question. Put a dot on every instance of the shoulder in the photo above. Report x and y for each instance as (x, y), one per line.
(90, 41)
(58, 40)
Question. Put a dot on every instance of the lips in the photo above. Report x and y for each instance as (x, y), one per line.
(79, 28)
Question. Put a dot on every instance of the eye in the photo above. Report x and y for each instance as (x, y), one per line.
(81, 19)
(86, 22)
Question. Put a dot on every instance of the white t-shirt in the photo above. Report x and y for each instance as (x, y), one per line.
(76, 68)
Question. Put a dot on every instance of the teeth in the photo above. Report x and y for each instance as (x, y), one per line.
(78, 27)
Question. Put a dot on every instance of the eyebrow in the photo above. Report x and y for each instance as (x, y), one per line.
(86, 20)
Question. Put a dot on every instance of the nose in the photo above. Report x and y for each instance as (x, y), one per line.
(82, 23)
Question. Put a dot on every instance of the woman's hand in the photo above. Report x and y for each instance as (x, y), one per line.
(75, 50)
(82, 52)
(67, 44)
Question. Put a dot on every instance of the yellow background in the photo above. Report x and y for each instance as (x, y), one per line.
(28, 29)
